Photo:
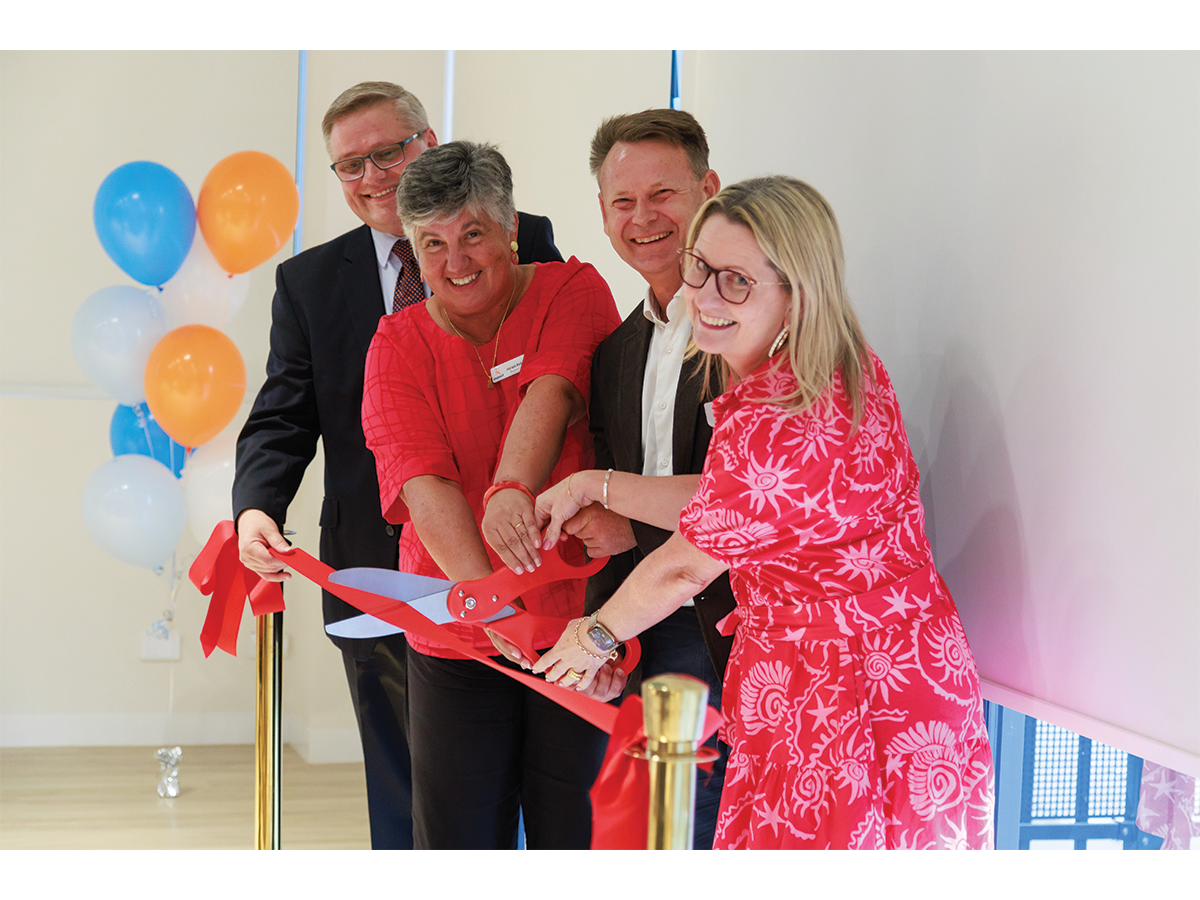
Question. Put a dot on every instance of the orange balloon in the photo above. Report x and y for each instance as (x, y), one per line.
(247, 209)
(195, 382)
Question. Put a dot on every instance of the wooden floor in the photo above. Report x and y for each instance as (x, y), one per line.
(106, 798)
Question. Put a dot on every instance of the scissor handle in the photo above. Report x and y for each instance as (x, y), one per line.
(474, 601)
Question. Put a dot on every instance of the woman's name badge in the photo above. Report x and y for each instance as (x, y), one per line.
(505, 369)
(708, 414)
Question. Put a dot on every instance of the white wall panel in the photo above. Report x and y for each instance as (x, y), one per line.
(1022, 234)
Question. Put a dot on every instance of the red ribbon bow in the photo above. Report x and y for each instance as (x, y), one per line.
(218, 571)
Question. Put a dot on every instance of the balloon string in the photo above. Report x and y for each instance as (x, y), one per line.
(144, 424)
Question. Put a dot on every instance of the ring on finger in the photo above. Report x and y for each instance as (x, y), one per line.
(570, 678)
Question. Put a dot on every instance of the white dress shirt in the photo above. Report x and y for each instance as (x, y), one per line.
(668, 343)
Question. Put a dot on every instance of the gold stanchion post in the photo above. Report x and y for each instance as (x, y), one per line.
(673, 710)
(268, 736)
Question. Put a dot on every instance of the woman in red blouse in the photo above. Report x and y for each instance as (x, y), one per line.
(472, 402)
(851, 700)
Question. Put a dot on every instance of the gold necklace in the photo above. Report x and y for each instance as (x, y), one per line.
(487, 373)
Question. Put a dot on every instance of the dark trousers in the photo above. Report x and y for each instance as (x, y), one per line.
(484, 749)
(676, 644)
(378, 687)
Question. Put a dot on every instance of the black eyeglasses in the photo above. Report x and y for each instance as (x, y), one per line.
(355, 167)
(732, 286)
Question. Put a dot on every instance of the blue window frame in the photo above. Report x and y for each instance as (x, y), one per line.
(1055, 785)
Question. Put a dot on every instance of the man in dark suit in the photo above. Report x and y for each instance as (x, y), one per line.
(327, 305)
(647, 411)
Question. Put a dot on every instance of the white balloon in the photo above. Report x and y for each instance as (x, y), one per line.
(133, 507)
(201, 292)
(112, 336)
(208, 482)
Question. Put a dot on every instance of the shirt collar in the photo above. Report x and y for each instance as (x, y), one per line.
(383, 245)
(675, 309)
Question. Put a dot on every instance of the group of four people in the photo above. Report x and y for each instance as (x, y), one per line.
(472, 387)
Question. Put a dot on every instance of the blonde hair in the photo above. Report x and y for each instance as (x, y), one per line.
(797, 231)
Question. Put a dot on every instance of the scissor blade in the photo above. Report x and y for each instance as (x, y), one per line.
(400, 586)
(425, 595)
(361, 627)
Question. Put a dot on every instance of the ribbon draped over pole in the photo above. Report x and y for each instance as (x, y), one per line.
(620, 796)
(217, 571)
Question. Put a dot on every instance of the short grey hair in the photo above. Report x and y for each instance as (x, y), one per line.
(372, 93)
(446, 180)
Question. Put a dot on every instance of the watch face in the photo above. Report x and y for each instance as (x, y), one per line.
(601, 638)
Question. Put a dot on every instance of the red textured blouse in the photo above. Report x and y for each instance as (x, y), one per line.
(427, 409)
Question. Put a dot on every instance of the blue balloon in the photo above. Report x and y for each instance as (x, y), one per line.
(134, 430)
(145, 219)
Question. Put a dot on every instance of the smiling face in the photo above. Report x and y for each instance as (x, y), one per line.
(373, 197)
(741, 333)
(467, 263)
(648, 197)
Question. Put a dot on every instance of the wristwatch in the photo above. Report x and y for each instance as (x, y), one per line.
(600, 636)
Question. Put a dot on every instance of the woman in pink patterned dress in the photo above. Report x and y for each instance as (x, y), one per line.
(851, 702)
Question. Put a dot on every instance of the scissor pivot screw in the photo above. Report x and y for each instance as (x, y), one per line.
(469, 603)
(495, 599)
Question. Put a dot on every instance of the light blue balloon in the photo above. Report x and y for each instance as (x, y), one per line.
(145, 219)
(135, 510)
(112, 336)
(133, 429)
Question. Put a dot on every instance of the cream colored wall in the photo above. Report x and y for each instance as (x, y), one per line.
(71, 617)
(541, 108)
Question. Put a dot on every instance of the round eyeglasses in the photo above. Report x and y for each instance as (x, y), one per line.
(386, 157)
(732, 286)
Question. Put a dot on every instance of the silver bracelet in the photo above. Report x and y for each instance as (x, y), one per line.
(604, 498)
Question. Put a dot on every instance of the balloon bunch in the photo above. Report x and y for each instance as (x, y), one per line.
(159, 350)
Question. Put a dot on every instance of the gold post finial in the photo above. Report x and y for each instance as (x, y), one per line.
(673, 709)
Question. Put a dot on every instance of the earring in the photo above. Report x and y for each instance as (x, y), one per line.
(512, 245)
(779, 342)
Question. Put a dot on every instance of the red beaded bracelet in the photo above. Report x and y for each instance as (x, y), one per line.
(506, 485)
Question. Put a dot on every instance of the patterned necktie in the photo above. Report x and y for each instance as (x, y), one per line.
(409, 289)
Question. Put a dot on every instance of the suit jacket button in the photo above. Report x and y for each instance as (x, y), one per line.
(391, 530)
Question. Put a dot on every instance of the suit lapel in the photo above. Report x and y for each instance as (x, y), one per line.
(687, 409)
(358, 290)
(634, 350)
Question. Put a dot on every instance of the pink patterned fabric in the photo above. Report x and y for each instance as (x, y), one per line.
(1165, 806)
(851, 700)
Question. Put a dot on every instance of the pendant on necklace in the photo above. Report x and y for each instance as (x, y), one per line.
(491, 384)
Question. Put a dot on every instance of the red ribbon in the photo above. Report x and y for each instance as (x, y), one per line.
(621, 793)
(218, 571)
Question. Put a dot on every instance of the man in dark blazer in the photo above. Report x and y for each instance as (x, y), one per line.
(648, 410)
(327, 305)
